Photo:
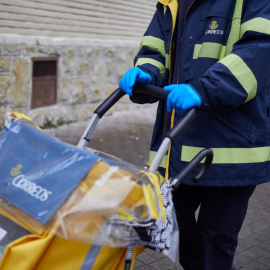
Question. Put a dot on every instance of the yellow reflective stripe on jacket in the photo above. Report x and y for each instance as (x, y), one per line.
(230, 155)
(167, 61)
(235, 28)
(153, 62)
(218, 51)
(163, 163)
(154, 43)
(165, 9)
(243, 74)
(260, 25)
(209, 50)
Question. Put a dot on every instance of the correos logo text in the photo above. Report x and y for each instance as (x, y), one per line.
(31, 188)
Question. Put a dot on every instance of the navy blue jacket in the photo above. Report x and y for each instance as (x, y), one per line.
(225, 57)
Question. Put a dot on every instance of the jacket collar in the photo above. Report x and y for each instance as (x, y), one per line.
(173, 6)
(164, 2)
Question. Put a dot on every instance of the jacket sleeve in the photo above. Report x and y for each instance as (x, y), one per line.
(151, 56)
(244, 73)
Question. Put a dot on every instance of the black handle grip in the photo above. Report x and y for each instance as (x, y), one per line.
(118, 93)
(150, 90)
(109, 102)
(205, 153)
(156, 91)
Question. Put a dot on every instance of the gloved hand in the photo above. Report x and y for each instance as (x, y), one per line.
(181, 97)
(132, 76)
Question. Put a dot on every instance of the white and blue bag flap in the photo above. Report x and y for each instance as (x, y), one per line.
(37, 171)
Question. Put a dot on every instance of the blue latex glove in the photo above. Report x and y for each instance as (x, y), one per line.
(132, 76)
(181, 97)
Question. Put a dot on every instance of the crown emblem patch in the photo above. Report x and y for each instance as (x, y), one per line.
(213, 25)
(16, 170)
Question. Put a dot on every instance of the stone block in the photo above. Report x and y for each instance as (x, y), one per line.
(96, 94)
(78, 88)
(67, 60)
(121, 63)
(110, 89)
(50, 116)
(42, 49)
(93, 52)
(53, 50)
(4, 88)
(21, 83)
(110, 74)
(29, 50)
(130, 57)
(12, 49)
(109, 52)
(5, 63)
(81, 111)
(96, 84)
(63, 89)
(81, 52)
(83, 68)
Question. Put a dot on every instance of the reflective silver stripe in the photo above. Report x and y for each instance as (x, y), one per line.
(230, 155)
(90, 257)
(242, 73)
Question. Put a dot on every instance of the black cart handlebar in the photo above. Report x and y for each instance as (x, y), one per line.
(172, 134)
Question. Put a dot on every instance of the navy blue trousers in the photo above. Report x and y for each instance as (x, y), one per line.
(209, 242)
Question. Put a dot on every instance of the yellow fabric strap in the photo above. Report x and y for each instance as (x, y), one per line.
(235, 28)
(154, 43)
(230, 155)
(173, 6)
(209, 50)
(163, 163)
(243, 74)
(259, 24)
(155, 180)
(153, 62)
(169, 151)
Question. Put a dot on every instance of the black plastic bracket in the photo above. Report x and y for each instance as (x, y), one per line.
(205, 153)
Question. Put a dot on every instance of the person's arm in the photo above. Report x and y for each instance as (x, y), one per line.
(151, 56)
(244, 73)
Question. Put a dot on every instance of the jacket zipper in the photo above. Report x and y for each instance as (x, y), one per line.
(173, 113)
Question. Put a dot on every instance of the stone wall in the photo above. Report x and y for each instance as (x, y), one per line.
(88, 71)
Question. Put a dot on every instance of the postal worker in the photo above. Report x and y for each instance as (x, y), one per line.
(214, 55)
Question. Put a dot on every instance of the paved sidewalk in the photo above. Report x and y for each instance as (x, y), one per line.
(127, 135)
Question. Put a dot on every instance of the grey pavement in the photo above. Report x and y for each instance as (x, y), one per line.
(127, 135)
